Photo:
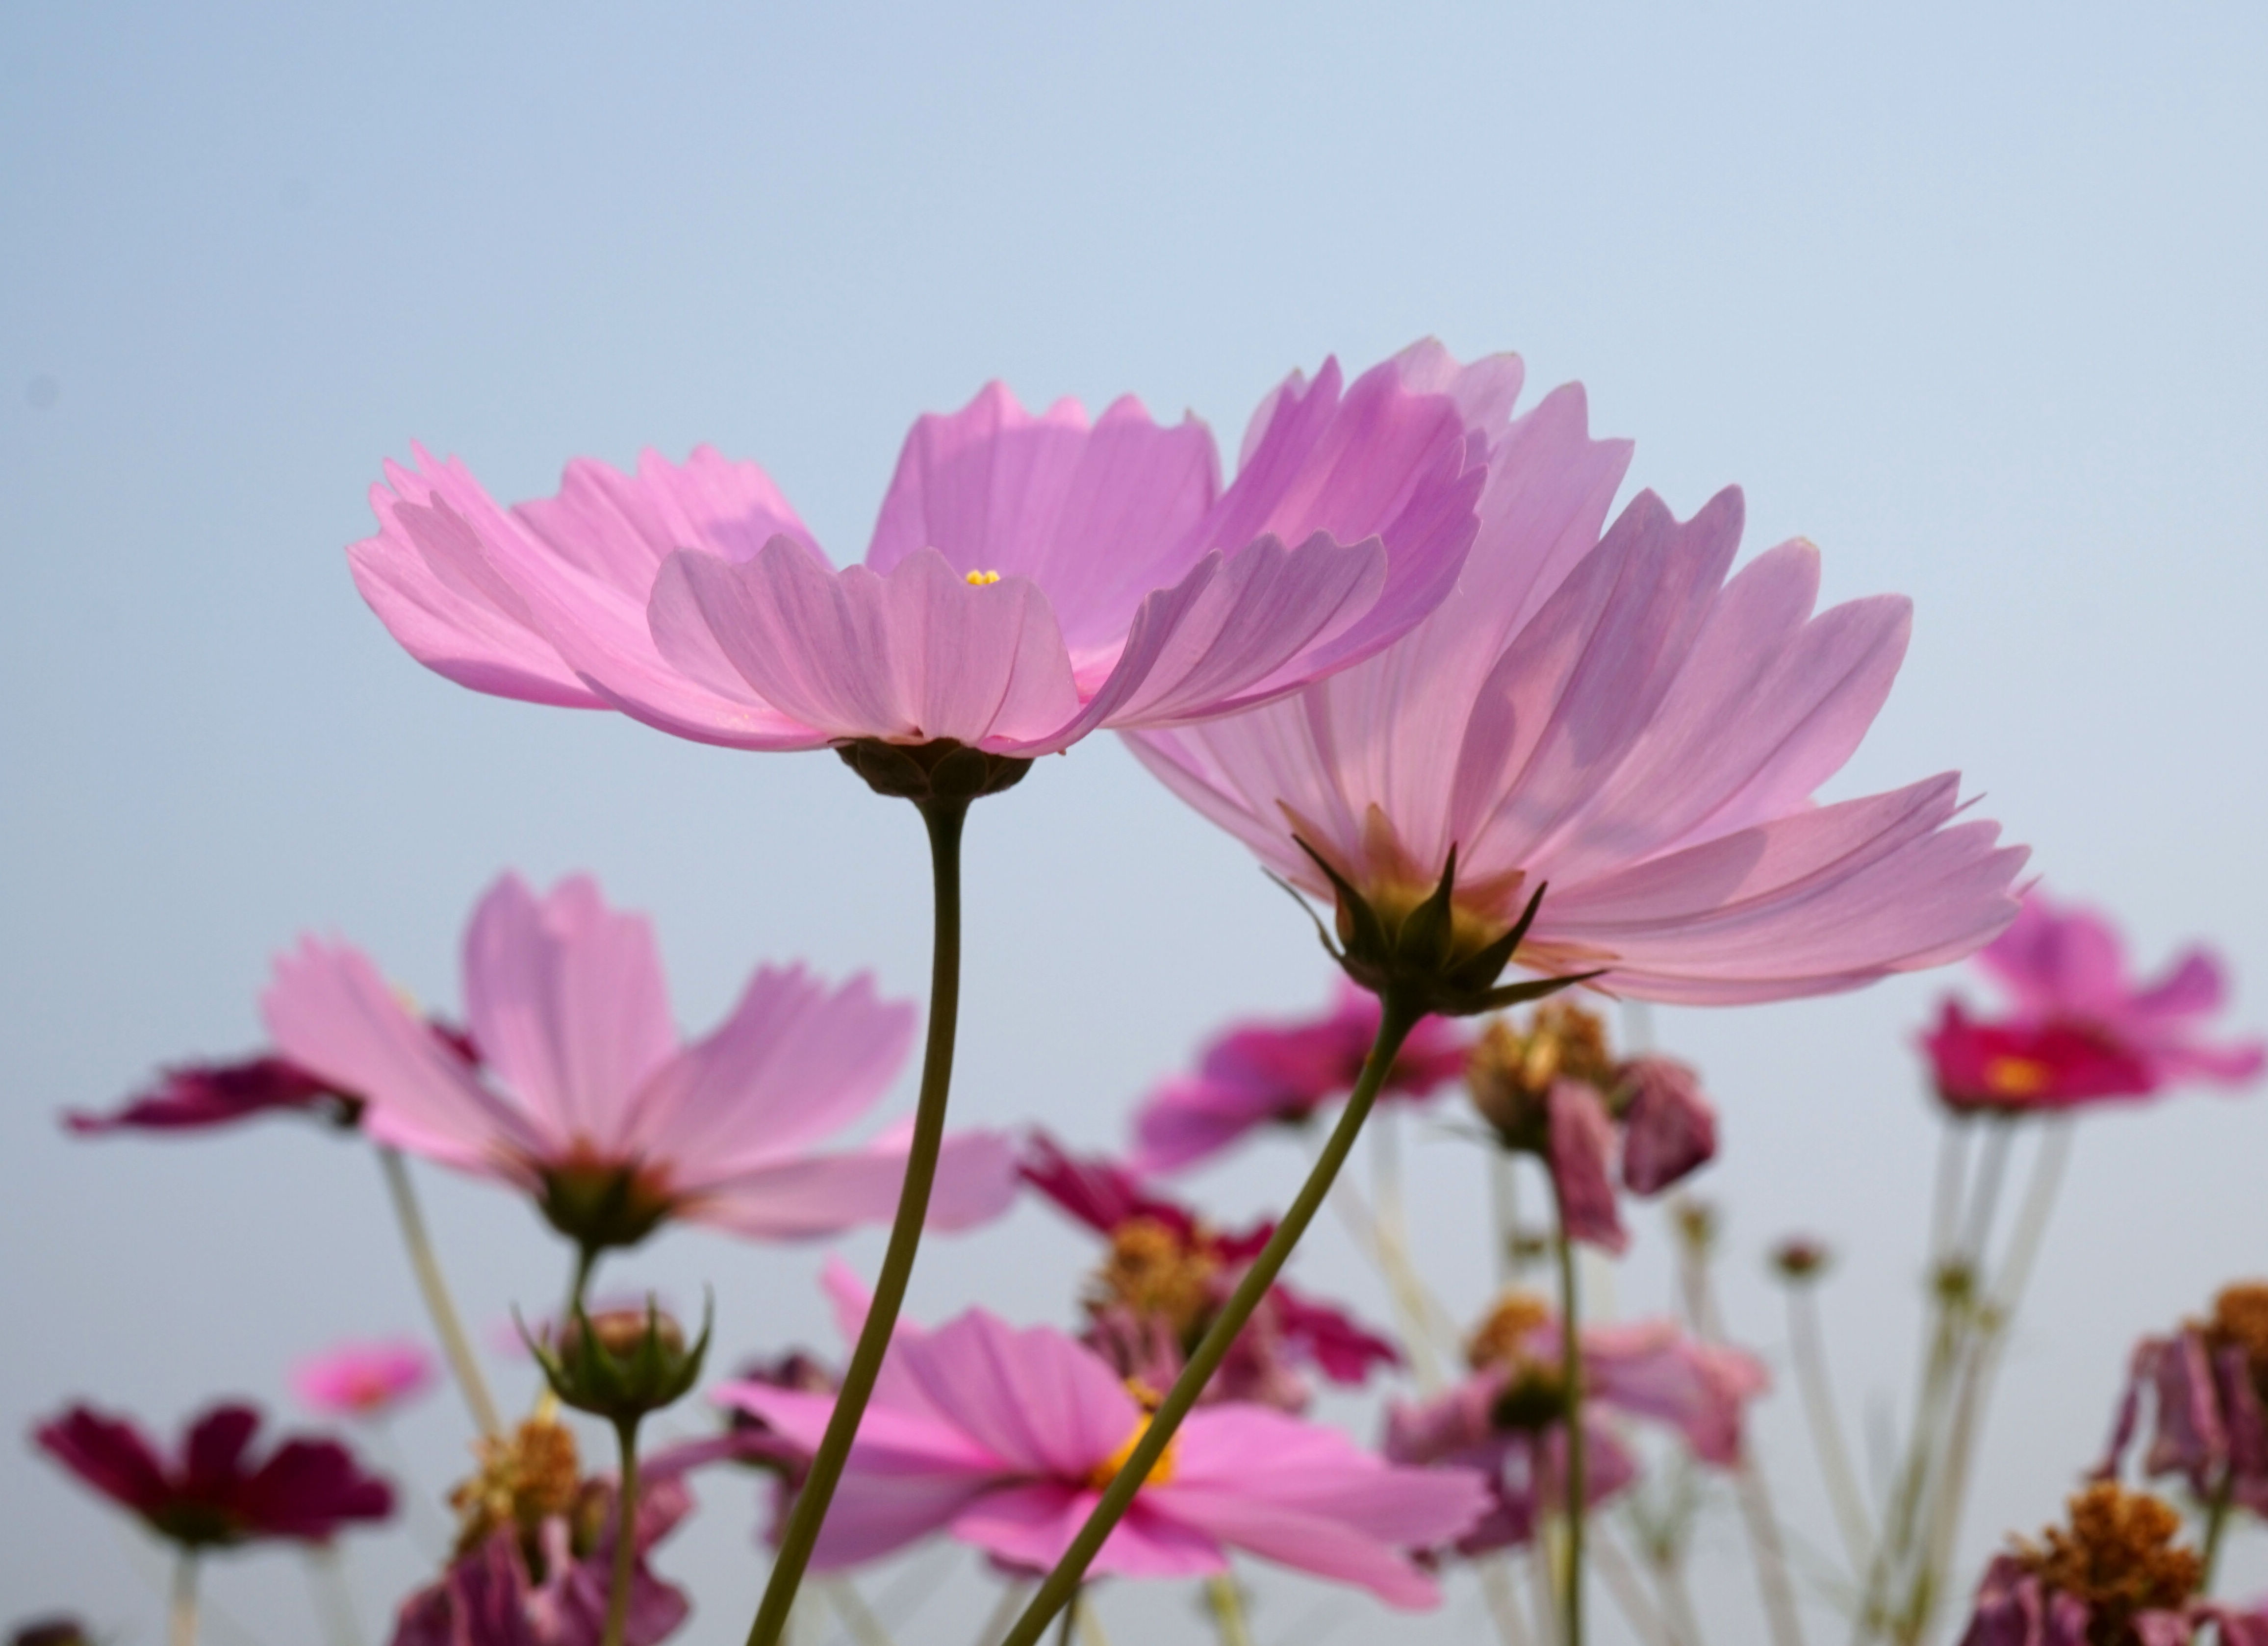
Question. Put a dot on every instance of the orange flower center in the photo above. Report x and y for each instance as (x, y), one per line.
(2017, 1077)
(1101, 1474)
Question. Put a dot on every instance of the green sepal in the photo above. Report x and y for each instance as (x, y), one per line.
(651, 1374)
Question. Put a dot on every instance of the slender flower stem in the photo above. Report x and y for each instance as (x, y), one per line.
(1003, 1613)
(1226, 1606)
(944, 820)
(326, 1575)
(182, 1614)
(2216, 1521)
(422, 1262)
(626, 1494)
(1809, 1348)
(1397, 1019)
(1499, 1590)
(1504, 1210)
(1421, 1312)
(1620, 1575)
(848, 1603)
(1570, 1375)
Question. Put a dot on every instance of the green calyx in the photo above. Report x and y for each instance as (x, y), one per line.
(1424, 955)
(599, 1207)
(621, 1363)
(943, 771)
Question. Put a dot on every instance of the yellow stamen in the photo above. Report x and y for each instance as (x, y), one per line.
(980, 578)
(1161, 1471)
(2017, 1077)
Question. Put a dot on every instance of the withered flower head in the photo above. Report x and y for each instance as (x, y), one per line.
(1511, 1069)
(523, 1480)
(2118, 1559)
(2240, 1320)
(1154, 1270)
(1501, 1338)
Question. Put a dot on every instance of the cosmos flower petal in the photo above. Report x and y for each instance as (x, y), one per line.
(1029, 1526)
(331, 1012)
(566, 1000)
(1032, 1396)
(795, 1061)
(1097, 515)
(808, 1195)
(108, 1454)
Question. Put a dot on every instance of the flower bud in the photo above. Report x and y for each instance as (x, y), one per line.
(1800, 1258)
(621, 1363)
(1669, 1130)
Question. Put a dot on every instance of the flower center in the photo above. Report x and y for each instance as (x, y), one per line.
(980, 578)
(523, 1480)
(2240, 1319)
(2017, 1077)
(1501, 1339)
(2118, 1558)
(1153, 1271)
(1161, 1471)
(1511, 1071)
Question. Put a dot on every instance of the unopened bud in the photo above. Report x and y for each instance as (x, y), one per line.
(1695, 1220)
(621, 1363)
(1799, 1258)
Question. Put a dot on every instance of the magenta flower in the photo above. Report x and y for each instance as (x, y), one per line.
(1003, 1439)
(2079, 1032)
(190, 1097)
(1256, 1073)
(215, 1493)
(364, 1379)
(1031, 578)
(2116, 1578)
(1615, 718)
(1508, 1419)
(1168, 1273)
(533, 1562)
(599, 1111)
(2207, 1385)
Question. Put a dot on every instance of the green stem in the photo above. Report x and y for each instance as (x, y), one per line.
(944, 818)
(618, 1598)
(586, 1260)
(182, 1615)
(1570, 1375)
(2216, 1521)
(422, 1262)
(1397, 1019)
(1227, 1608)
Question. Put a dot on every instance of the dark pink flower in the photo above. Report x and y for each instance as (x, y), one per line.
(2207, 1386)
(2079, 1030)
(1256, 1073)
(1003, 1439)
(1508, 1419)
(1168, 1274)
(1623, 718)
(215, 1493)
(191, 1096)
(594, 1105)
(2114, 1578)
(1031, 578)
(534, 1564)
(1553, 1089)
(364, 1379)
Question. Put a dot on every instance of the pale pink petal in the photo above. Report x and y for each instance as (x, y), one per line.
(1097, 517)
(916, 655)
(595, 625)
(2057, 961)
(891, 1440)
(1046, 1404)
(566, 1001)
(329, 1010)
(1029, 1526)
(1582, 1167)
(620, 527)
(851, 1298)
(806, 1196)
(796, 1061)
(1649, 1369)
(1820, 900)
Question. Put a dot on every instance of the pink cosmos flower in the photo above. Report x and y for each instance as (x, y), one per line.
(1031, 578)
(1612, 715)
(1257, 1072)
(1167, 1274)
(1003, 1439)
(599, 1111)
(1508, 1419)
(364, 1379)
(213, 1493)
(2079, 1032)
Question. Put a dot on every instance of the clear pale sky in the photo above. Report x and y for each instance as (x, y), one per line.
(1969, 295)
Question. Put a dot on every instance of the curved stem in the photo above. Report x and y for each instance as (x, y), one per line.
(944, 820)
(1227, 1608)
(1570, 1375)
(626, 1494)
(2216, 1521)
(1809, 1351)
(422, 1262)
(1396, 1020)
(182, 1613)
